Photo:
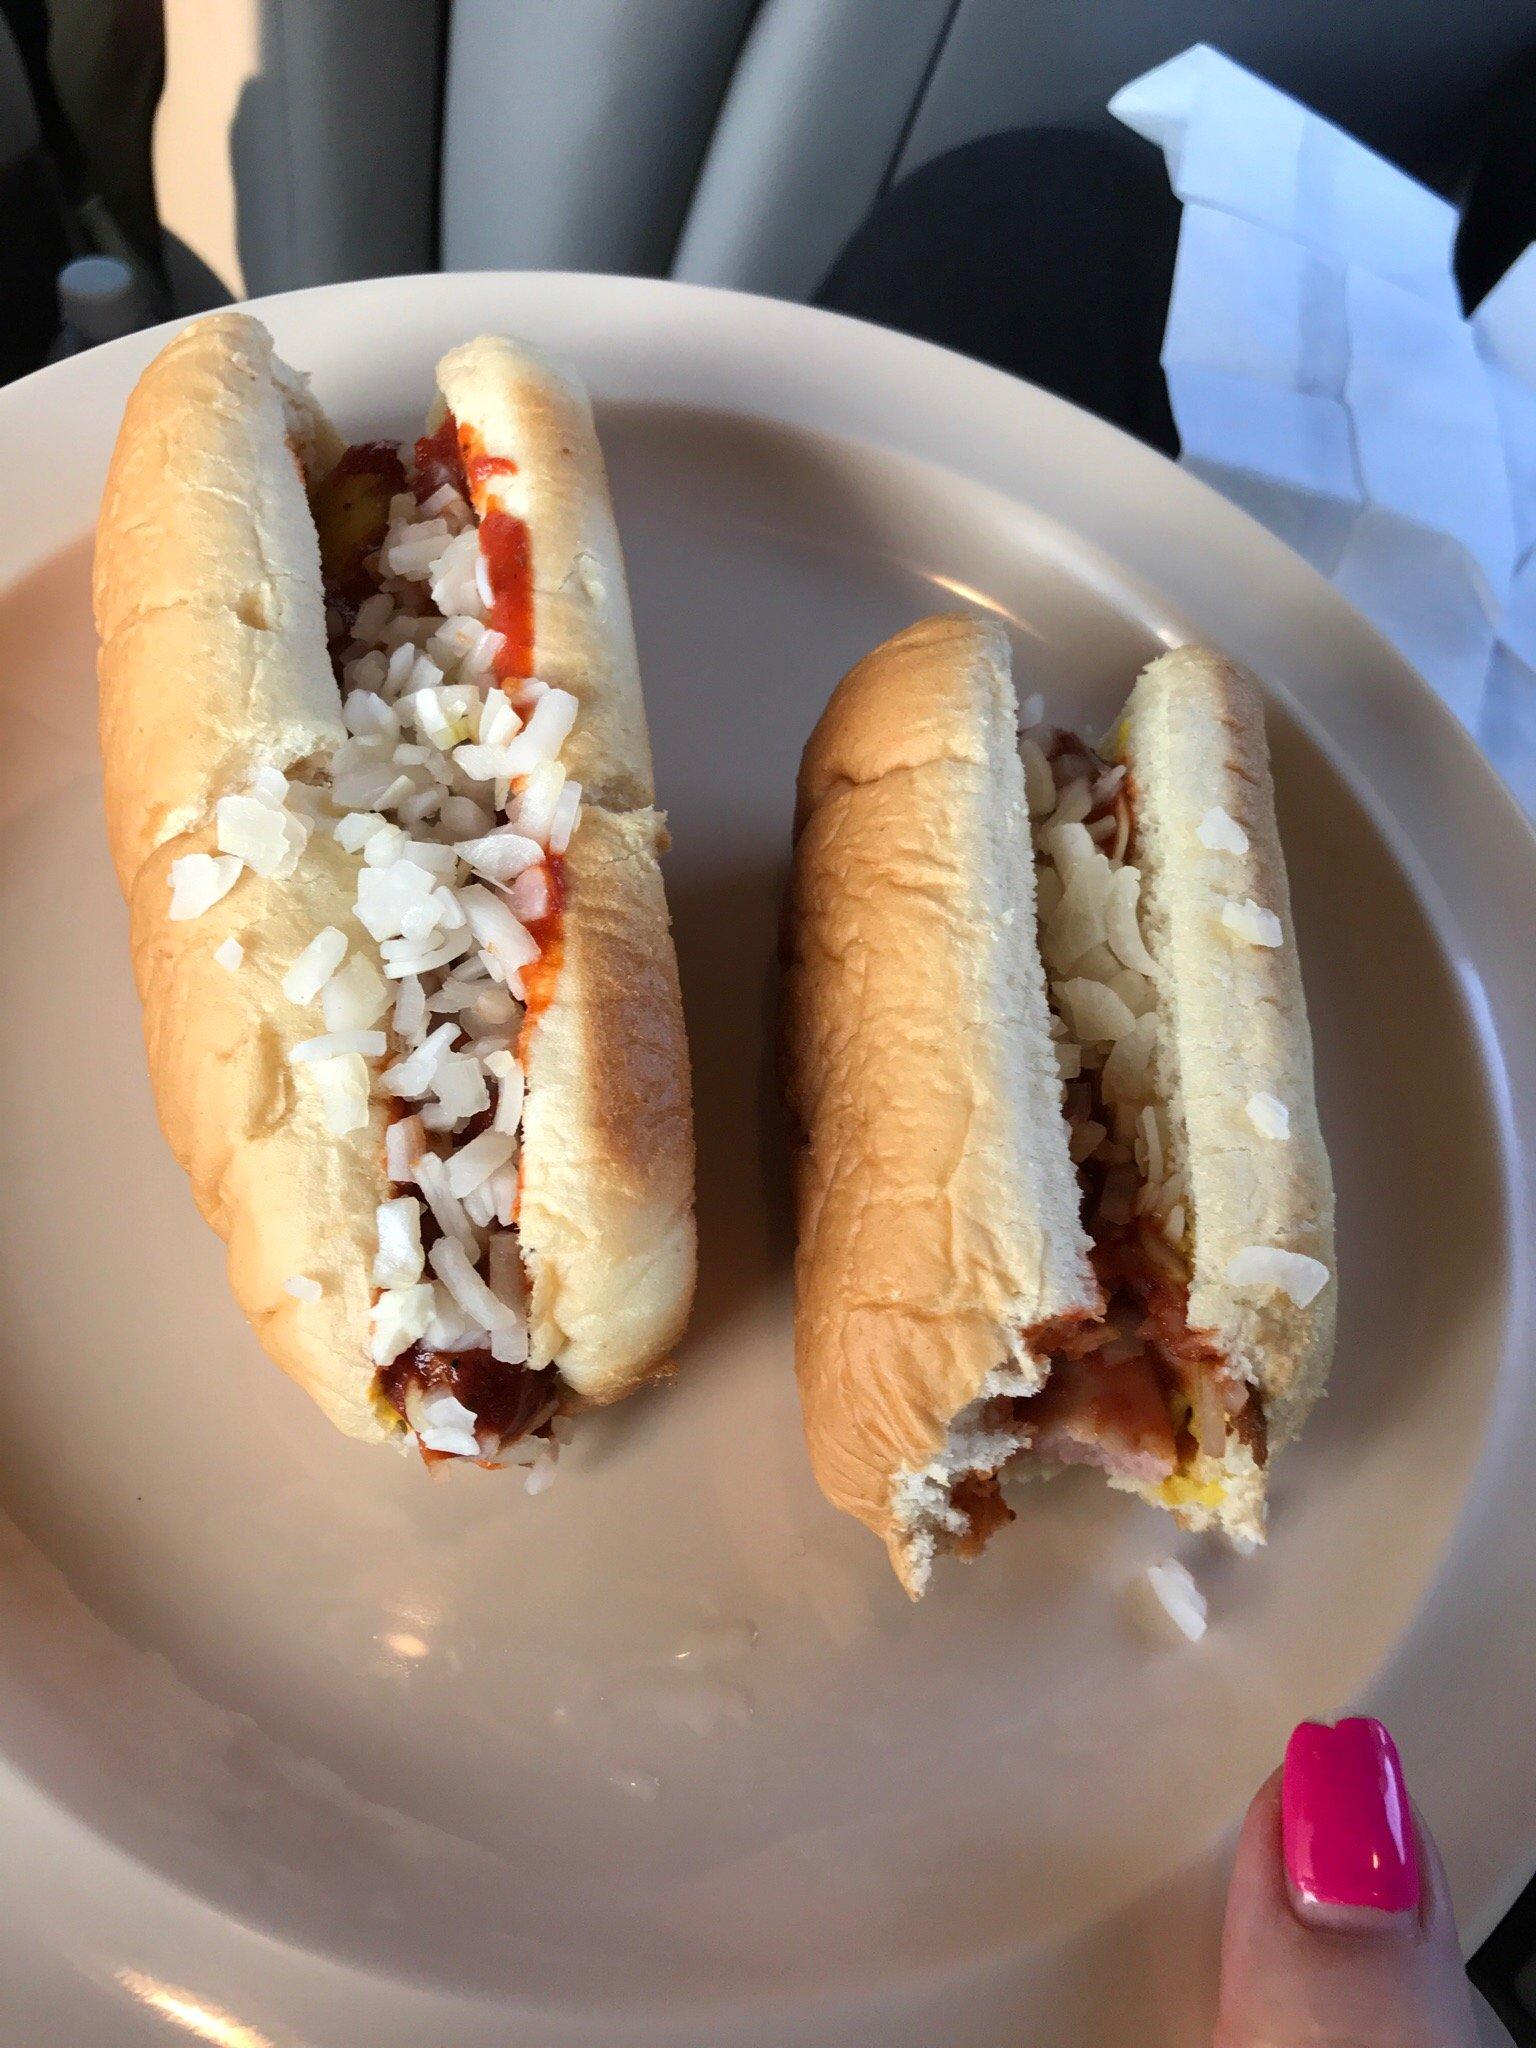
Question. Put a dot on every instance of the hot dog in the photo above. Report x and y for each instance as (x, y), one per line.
(379, 794)
(1062, 1193)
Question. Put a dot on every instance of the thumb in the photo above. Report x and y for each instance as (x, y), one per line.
(1339, 1931)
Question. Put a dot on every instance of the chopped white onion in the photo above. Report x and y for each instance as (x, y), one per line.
(269, 840)
(444, 1424)
(511, 946)
(1249, 922)
(230, 954)
(541, 1473)
(302, 1287)
(363, 711)
(355, 997)
(315, 965)
(1127, 1074)
(499, 723)
(1094, 1013)
(1069, 846)
(386, 897)
(545, 733)
(451, 1264)
(342, 1083)
(510, 1346)
(481, 764)
(198, 880)
(405, 1140)
(397, 1320)
(529, 896)
(373, 615)
(432, 1179)
(410, 1018)
(398, 1261)
(1269, 1116)
(492, 1006)
(448, 1328)
(510, 1086)
(1079, 922)
(1220, 831)
(563, 823)
(537, 803)
(402, 957)
(1179, 1598)
(1074, 803)
(1122, 927)
(1261, 1266)
(504, 1187)
(412, 1076)
(371, 1045)
(459, 1085)
(475, 1162)
(464, 818)
(441, 861)
(500, 856)
(1039, 783)
(385, 844)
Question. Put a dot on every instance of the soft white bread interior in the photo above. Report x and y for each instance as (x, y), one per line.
(1233, 1022)
(938, 1208)
(523, 407)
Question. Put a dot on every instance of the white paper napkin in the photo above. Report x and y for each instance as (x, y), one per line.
(1322, 375)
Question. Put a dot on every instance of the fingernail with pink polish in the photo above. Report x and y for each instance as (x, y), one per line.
(1346, 1822)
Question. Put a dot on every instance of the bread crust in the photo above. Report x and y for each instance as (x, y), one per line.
(213, 663)
(605, 1213)
(938, 1209)
(207, 588)
(1234, 1018)
(289, 1197)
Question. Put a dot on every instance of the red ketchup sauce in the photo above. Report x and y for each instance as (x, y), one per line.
(439, 462)
(454, 454)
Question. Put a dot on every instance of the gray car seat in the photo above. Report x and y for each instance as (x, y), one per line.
(729, 141)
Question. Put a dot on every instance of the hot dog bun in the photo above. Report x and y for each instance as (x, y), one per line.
(937, 1204)
(214, 664)
(942, 1255)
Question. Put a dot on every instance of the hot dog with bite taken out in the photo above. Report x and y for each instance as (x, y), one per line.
(1062, 1194)
(378, 792)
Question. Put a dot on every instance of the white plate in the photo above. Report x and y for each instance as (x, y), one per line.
(301, 1746)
